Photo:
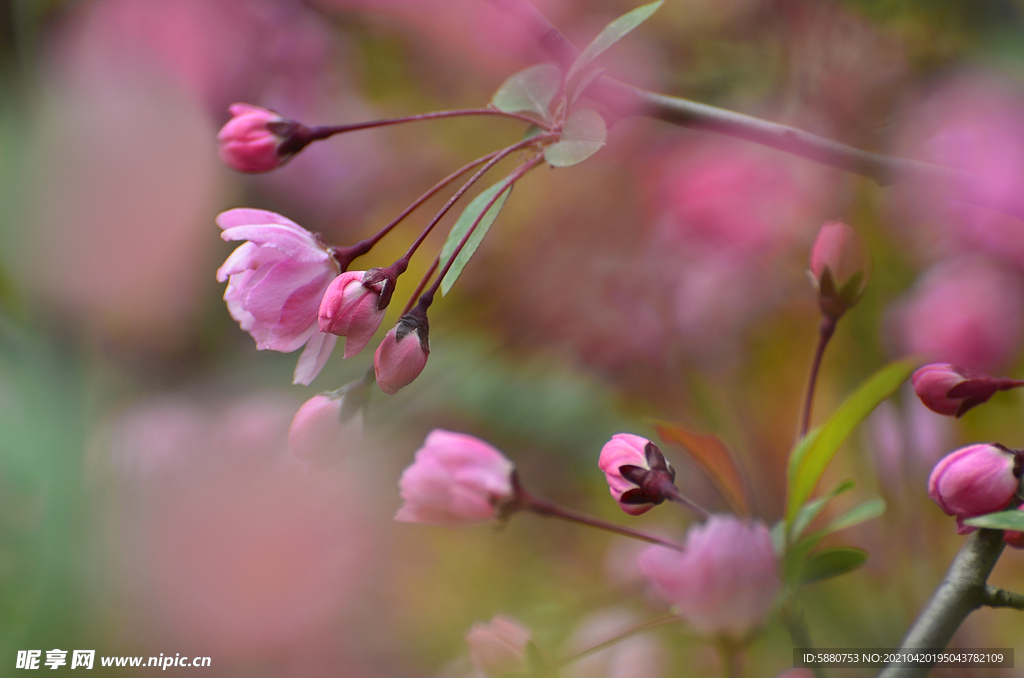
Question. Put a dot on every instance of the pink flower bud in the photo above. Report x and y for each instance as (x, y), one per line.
(350, 309)
(275, 283)
(627, 461)
(841, 265)
(725, 580)
(1014, 538)
(455, 480)
(498, 648)
(952, 390)
(974, 480)
(403, 354)
(317, 434)
(251, 140)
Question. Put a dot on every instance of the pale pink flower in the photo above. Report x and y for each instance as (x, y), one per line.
(317, 433)
(275, 283)
(968, 312)
(250, 141)
(725, 581)
(973, 481)
(455, 480)
(350, 309)
(403, 354)
(498, 648)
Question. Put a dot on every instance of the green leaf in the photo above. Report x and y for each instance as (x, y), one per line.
(611, 34)
(864, 511)
(810, 510)
(812, 455)
(529, 91)
(832, 563)
(582, 136)
(471, 215)
(1004, 520)
(586, 80)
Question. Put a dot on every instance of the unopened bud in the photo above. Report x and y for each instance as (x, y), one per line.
(498, 648)
(975, 480)
(637, 472)
(350, 309)
(403, 354)
(257, 140)
(840, 266)
(951, 390)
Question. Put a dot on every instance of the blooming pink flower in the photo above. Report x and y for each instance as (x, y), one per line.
(455, 480)
(725, 580)
(841, 264)
(498, 648)
(403, 354)
(275, 283)
(968, 312)
(250, 141)
(624, 460)
(317, 432)
(973, 481)
(350, 309)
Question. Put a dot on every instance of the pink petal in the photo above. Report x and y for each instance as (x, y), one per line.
(314, 357)
(293, 241)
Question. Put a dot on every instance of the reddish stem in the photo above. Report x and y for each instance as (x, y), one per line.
(325, 131)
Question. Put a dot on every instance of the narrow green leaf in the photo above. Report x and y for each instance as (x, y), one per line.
(529, 91)
(583, 135)
(778, 535)
(831, 563)
(469, 216)
(586, 80)
(810, 510)
(812, 455)
(1004, 520)
(864, 511)
(611, 34)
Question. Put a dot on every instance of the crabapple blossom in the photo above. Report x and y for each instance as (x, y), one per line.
(951, 390)
(251, 140)
(455, 480)
(840, 264)
(317, 431)
(628, 461)
(498, 648)
(725, 580)
(974, 480)
(350, 309)
(403, 354)
(276, 281)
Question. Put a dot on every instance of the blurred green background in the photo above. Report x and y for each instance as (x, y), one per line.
(147, 501)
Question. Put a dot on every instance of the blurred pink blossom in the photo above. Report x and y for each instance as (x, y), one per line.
(455, 480)
(317, 434)
(975, 123)
(276, 281)
(967, 311)
(640, 656)
(724, 582)
(498, 648)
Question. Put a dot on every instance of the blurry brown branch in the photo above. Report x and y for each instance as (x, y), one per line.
(884, 170)
(960, 593)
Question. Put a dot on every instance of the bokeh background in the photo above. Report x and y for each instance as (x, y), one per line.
(147, 500)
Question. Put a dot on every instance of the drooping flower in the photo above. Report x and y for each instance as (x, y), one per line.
(455, 480)
(951, 390)
(351, 309)
(725, 580)
(317, 433)
(498, 648)
(974, 480)
(403, 354)
(252, 140)
(276, 281)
